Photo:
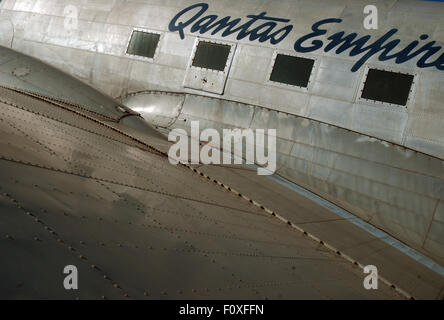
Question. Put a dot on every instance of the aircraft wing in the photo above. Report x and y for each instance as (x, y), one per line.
(84, 183)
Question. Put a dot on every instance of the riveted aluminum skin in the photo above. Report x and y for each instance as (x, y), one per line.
(77, 192)
(394, 188)
(95, 51)
(382, 162)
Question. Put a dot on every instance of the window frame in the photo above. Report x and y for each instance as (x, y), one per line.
(142, 58)
(291, 86)
(229, 58)
(395, 106)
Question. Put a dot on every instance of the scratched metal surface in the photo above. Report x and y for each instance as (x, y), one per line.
(95, 52)
(409, 206)
(137, 227)
(396, 189)
(29, 74)
(338, 231)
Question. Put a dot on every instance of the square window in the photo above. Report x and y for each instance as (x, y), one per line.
(143, 44)
(292, 70)
(386, 86)
(212, 56)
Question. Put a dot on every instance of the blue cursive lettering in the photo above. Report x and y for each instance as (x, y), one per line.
(263, 28)
(263, 33)
(316, 44)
